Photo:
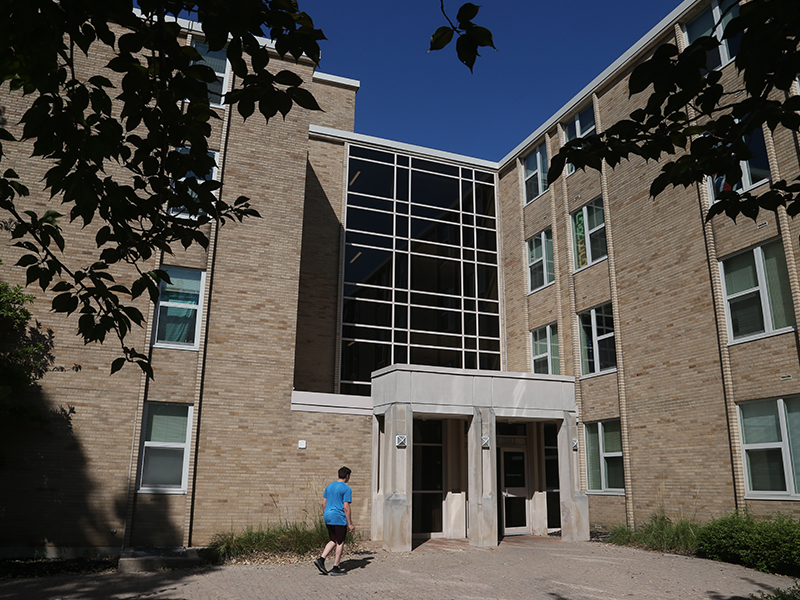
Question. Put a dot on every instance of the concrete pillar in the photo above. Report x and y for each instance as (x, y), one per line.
(454, 525)
(574, 503)
(482, 475)
(539, 513)
(378, 470)
(396, 465)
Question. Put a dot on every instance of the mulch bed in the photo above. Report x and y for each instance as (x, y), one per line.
(47, 567)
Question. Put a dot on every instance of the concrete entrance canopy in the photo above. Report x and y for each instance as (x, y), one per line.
(479, 399)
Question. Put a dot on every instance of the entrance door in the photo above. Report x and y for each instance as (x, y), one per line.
(514, 491)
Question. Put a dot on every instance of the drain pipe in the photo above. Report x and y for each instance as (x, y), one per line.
(130, 470)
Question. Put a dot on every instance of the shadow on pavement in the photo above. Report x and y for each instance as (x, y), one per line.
(356, 563)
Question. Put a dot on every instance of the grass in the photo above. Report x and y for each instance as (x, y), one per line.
(298, 539)
(678, 536)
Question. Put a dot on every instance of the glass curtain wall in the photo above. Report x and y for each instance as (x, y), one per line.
(420, 267)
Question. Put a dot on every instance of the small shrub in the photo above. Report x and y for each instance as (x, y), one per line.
(622, 535)
(665, 535)
(659, 533)
(289, 538)
(792, 593)
(770, 544)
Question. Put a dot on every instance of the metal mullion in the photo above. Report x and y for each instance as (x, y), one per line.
(549, 349)
(595, 342)
(761, 276)
(788, 474)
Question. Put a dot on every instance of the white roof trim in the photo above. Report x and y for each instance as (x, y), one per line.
(639, 47)
(347, 136)
(352, 83)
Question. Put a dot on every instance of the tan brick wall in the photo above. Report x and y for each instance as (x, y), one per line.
(318, 299)
(338, 104)
(606, 511)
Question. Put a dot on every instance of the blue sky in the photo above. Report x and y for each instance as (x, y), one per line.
(547, 52)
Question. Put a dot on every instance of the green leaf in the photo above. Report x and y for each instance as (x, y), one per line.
(481, 35)
(65, 303)
(288, 78)
(117, 364)
(441, 37)
(467, 12)
(303, 98)
(467, 50)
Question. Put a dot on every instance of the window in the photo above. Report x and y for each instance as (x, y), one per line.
(178, 313)
(165, 447)
(598, 352)
(544, 343)
(771, 445)
(218, 61)
(712, 22)
(589, 233)
(604, 469)
(757, 293)
(579, 126)
(754, 171)
(180, 211)
(536, 173)
(540, 260)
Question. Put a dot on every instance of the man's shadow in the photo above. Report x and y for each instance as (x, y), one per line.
(356, 563)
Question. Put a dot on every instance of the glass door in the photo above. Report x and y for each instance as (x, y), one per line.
(514, 491)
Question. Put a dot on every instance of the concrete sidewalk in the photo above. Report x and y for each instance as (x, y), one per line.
(520, 568)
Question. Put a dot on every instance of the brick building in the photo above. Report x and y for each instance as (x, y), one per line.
(490, 352)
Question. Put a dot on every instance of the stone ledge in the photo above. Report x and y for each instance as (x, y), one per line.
(134, 561)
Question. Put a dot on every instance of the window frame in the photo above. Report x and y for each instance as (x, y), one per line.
(579, 132)
(552, 353)
(791, 491)
(596, 339)
(602, 456)
(225, 76)
(197, 307)
(588, 233)
(548, 262)
(717, 32)
(185, 446)
(762, 288)
(539, 154)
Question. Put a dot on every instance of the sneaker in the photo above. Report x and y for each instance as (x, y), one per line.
(320, 564)
(337, 571)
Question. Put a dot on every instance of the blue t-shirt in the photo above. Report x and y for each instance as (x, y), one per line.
(336, 494)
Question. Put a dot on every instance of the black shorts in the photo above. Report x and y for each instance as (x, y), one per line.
(337, 533)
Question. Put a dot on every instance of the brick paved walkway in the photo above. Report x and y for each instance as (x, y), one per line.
(520, 568)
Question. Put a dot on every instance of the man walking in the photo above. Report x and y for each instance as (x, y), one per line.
(336, 510)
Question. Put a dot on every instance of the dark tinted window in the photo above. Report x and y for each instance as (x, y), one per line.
(371, 178)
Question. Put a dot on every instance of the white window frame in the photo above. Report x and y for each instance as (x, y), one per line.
(763, 292)
(548, 264)
(596, 339)
(195, 345)
(185, 446)
(719, 29)
(581, 130)
(588, 233)
(537, 161)
(602, 456)
(225, 76)
(180, 211)
(784, 445)
(550, 333)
